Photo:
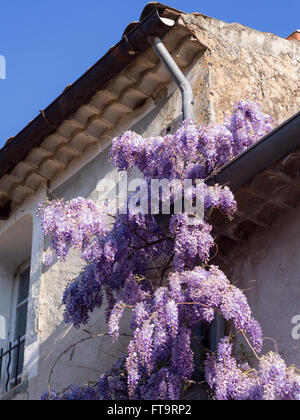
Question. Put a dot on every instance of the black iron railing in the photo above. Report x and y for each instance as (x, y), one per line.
(11, 365)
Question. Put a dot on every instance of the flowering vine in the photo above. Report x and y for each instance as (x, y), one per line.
(161, 272)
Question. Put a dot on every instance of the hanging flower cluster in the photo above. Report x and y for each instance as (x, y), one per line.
(71, 224)
(163, 274)
(233, 381)
(192, 152)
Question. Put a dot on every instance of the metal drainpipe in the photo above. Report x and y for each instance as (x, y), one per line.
(184, 86)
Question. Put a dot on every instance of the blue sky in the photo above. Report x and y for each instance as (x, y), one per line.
(49, 44)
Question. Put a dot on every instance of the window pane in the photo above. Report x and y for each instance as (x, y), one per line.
(17, 363)
(217, 331)
(23, 289)
(21, 317)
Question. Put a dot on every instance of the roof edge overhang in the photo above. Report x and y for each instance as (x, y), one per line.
(260, 156)
(294, 35)
(134, 42)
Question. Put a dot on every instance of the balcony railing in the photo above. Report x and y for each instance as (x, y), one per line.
(11, 365)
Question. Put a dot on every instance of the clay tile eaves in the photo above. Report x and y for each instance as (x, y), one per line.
(96, 78)
(294, 36)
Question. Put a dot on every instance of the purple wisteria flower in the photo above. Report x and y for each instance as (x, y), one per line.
(192, 241)
(233, 381)
(162, 274)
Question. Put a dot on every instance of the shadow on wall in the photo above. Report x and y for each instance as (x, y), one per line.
(86, 360)
(68, 356)
(15, 251)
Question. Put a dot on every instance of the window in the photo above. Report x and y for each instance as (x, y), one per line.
(12, 358)
(21, 306)
(205, 338)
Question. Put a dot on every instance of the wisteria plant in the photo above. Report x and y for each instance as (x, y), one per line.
(163, 273)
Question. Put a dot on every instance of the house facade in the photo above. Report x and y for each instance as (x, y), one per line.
(64, 153)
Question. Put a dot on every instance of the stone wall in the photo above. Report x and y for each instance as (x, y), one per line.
(267, 268)
(242, 62)
(88, 359)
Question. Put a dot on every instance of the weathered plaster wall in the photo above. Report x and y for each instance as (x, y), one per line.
(6, 281)
(87, 359)
(267, 267)
(243, 62)
(17, 239)
(15, 249)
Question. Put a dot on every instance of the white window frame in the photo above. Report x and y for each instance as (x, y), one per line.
(14, 306)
